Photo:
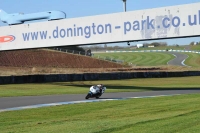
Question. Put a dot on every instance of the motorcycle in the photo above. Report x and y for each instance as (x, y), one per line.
(95, 92)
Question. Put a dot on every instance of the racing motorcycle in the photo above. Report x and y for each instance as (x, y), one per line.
(95, 92)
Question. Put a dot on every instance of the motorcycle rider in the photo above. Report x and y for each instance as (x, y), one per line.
(96, 91)
(100, 86)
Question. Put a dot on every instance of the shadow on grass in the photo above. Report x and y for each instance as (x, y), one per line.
(122, 87)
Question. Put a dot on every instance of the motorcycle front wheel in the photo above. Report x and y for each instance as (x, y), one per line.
(88, 96)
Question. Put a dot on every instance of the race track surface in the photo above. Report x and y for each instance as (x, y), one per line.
(179, 60)
(12, 102)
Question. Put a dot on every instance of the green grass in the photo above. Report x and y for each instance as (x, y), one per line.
(193, 60)
(140, 59)
(195, 47)
(150, 58)
(129, 85)
(158, 48)
(150, 115)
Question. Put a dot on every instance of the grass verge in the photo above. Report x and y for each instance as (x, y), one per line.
(128, 85)
(139, 59)
(195, 47)
(150, 58)
(149, 115)
(158, 48)
(193, 60)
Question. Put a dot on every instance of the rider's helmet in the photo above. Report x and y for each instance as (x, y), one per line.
(102, 86)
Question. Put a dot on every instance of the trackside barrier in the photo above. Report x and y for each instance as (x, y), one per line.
(91, 76)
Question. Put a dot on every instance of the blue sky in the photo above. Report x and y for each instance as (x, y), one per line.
(81, 8)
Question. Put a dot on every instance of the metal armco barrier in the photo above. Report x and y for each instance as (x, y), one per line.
(91, 76)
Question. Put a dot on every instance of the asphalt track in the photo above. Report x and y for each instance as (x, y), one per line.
(13, 102)
(179, 60)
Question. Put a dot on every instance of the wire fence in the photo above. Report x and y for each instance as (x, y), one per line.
(108, 59)
(89, 54)
(72, 51)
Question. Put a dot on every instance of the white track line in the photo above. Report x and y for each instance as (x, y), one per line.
(184, 61)
(181, 62)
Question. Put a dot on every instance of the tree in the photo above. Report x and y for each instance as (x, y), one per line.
(163, 43)
(155, 44)
(192, 43)
(146, 44)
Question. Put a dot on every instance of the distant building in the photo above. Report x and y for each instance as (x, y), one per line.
(151, 46)
(140, 45)
(133, 47)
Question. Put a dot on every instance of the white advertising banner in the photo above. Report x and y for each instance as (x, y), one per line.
(165, 22)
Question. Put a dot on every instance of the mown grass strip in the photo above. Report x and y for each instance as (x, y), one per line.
(193, 60)
(158, 48)
(128, 85)
(150, 115)
(140, 58)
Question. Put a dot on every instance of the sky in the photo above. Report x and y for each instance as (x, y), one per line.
(82, 8)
